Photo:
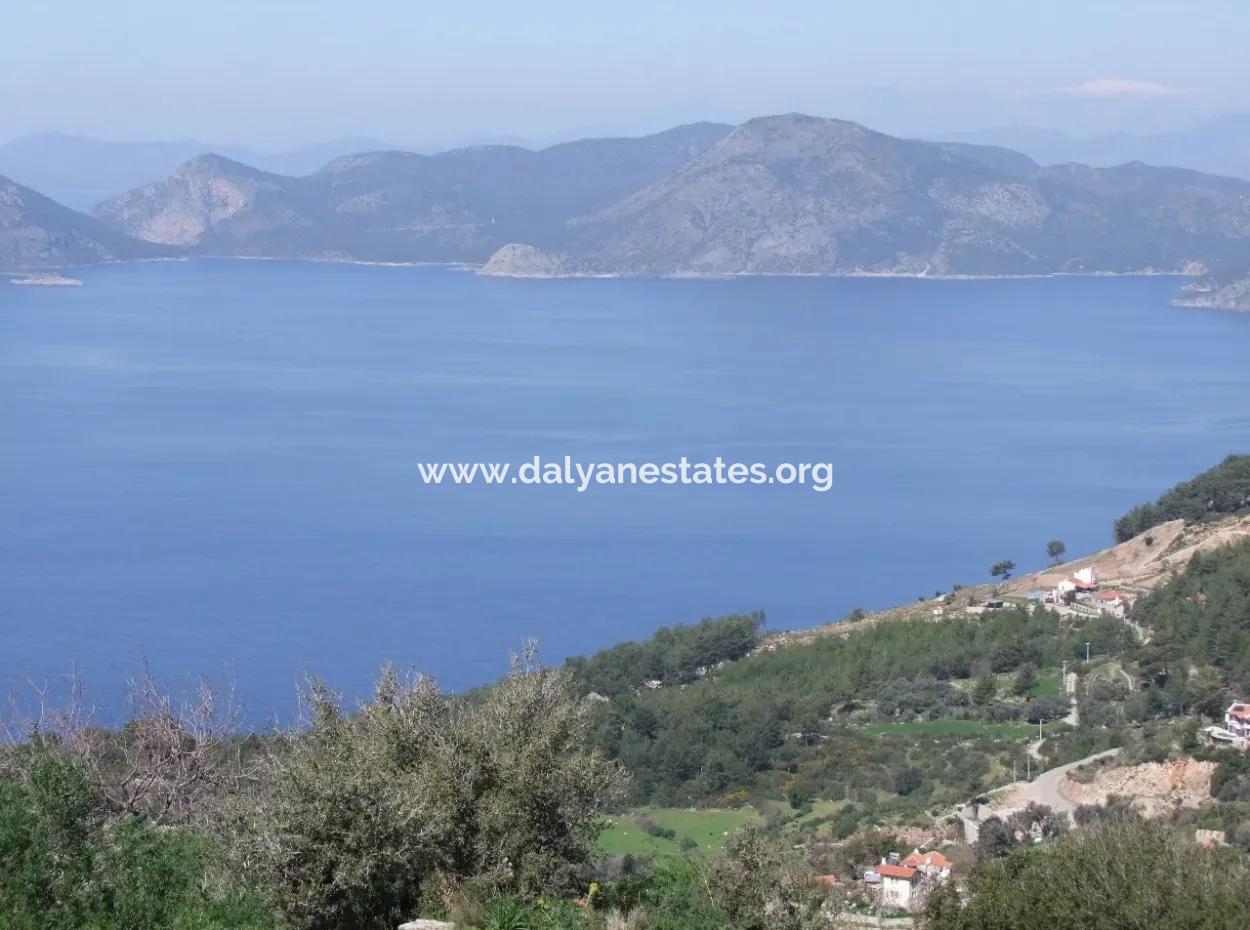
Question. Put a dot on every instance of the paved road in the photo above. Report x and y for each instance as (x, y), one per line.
(1042, 790)
(1045, 788)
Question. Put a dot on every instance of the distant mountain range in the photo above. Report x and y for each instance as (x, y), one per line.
(400, 206)
(1220, 145)
(80, 172)
(782, 195)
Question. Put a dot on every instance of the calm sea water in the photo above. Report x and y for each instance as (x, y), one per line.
(212, 464)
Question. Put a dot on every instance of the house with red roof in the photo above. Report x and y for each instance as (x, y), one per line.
(929, 863)
(1237, 720)
(898, 882)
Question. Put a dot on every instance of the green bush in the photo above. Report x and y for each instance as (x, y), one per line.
(1122, 872)
(65, 866)
(368, 815)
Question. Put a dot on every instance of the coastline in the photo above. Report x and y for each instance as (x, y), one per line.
(476, 269)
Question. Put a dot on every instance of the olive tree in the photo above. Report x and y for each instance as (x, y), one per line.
(364, 815)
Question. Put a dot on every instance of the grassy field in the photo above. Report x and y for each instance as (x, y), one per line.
(1048, 685)
(708, 828)
(952, 728)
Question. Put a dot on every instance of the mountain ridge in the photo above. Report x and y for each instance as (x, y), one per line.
(801, 195)
(784, 194)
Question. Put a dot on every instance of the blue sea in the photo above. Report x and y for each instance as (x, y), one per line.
(213, 465)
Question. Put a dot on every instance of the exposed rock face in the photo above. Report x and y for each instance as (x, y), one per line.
(36, 232)
(1230, 296)
(187, 206)
(1155, 788)
(516, 260)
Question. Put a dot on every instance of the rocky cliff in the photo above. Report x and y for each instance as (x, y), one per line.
(37, 233)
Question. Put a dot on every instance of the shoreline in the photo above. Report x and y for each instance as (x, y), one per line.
(475, 268)
(890, 275)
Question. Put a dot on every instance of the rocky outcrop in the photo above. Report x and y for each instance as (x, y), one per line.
(517, 260)
(1233, 295)
(184, 209)
(1155, 788)
(37, 233)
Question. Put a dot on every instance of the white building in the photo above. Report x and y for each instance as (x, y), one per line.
(1237, 720)
(897, 884)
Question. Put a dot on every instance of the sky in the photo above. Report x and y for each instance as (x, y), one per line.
(279, 73)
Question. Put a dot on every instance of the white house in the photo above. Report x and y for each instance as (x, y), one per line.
(1113, 603)
(1237, 720)
(897, 884)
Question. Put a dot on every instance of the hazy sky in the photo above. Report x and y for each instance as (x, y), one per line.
(281, 72)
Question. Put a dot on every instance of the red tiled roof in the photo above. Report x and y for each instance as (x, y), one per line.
(896, 871)
(1240, 711)
(935, 859)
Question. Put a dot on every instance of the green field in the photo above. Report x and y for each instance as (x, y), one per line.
(952, 728)
(1048, 685)
(708, 828)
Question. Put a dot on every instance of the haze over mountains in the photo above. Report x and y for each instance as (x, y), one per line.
(80, 172)
(785, 194)
(1220, 145)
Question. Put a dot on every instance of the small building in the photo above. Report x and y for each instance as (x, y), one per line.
(897, 884)
(1237, 720)
(1113, 603)
(929, 863)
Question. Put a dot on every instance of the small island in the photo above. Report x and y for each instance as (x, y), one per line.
(48, 279)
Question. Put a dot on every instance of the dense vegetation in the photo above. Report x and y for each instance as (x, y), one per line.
(485, 808)
(1219, 491)
(1121, 872)
(796, 720)
(1202, 617)
(67, 863)
(673, 656)
(417, 802)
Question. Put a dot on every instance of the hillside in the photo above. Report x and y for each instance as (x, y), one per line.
(800, 195)
(456, 206)
(777, 195)
(37, 233)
